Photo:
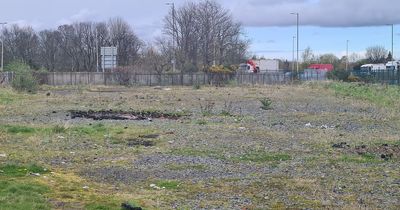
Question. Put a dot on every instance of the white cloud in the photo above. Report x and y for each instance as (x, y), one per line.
(81, 16)
(325, 13)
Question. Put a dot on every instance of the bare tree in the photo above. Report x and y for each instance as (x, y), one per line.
(376, 54)
(49, 49)
(128, 44)
(21, 43)
(205, 34)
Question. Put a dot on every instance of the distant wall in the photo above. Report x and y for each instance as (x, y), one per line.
(100, 78)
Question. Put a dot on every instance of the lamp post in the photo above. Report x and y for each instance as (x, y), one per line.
(347, 55)
(297, 24)
(173, 34)
(294, 37)
(392, 43)
(2, 46)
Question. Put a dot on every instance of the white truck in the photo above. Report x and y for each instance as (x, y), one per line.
(260, 66)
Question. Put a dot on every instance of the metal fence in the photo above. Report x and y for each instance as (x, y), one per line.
(379, 76)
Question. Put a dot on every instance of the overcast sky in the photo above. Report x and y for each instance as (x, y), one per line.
(325, 25)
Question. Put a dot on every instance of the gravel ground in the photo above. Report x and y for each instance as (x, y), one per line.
(246, 158)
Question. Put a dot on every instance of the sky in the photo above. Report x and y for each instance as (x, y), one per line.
(324, 25)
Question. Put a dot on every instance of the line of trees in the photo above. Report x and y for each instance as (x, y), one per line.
(70, 47)
(373, 54)
(197, 35)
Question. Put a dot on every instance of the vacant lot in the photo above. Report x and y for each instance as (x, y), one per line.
(326, 145)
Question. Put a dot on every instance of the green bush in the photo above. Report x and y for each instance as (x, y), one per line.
(23, 79)
(266, 103)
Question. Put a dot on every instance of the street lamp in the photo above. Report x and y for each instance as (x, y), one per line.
(2, 46)
(392, 43)
(294, 37)
(173, 34)
(297, 23)
(347, 55)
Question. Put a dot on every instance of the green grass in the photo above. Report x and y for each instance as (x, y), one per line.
(198, 153)
(386, 96)
(12, 170)
(364, 158)
(18, 195)
(14, 129)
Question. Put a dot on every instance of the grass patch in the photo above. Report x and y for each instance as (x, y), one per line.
(12, 170)
(15, 129)
(364, 158)
(386, 96)
(168, 184)
(198, 153)
(263, 157)
(59, 129)
(21, 196)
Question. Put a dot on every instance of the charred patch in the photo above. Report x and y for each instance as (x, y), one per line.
(383, 151)
(124, 115)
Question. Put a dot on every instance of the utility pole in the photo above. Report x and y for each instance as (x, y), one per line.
(392, 42)
(294, 37)
(173, 36)
(297, 24)
(2, 46)
(97, 51)
(347, 55)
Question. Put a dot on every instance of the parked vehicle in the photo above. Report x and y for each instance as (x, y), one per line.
(393, 65)
(260, 66)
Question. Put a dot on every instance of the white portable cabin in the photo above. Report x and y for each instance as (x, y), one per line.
(393, 65)
(373, 67)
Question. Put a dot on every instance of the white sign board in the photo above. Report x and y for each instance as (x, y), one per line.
(108, 57)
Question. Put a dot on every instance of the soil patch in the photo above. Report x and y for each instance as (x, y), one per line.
(124, 115)
(384, 151)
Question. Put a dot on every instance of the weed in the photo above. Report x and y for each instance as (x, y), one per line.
(59, 129)
(201, 122)
(227, 109)
(266, 103)
(207, 108)
(196, 87)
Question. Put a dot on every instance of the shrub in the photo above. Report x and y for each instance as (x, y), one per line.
(23, 79)
(353, 78)
(266, 103)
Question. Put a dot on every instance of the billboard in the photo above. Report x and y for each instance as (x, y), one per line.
(108, 57)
